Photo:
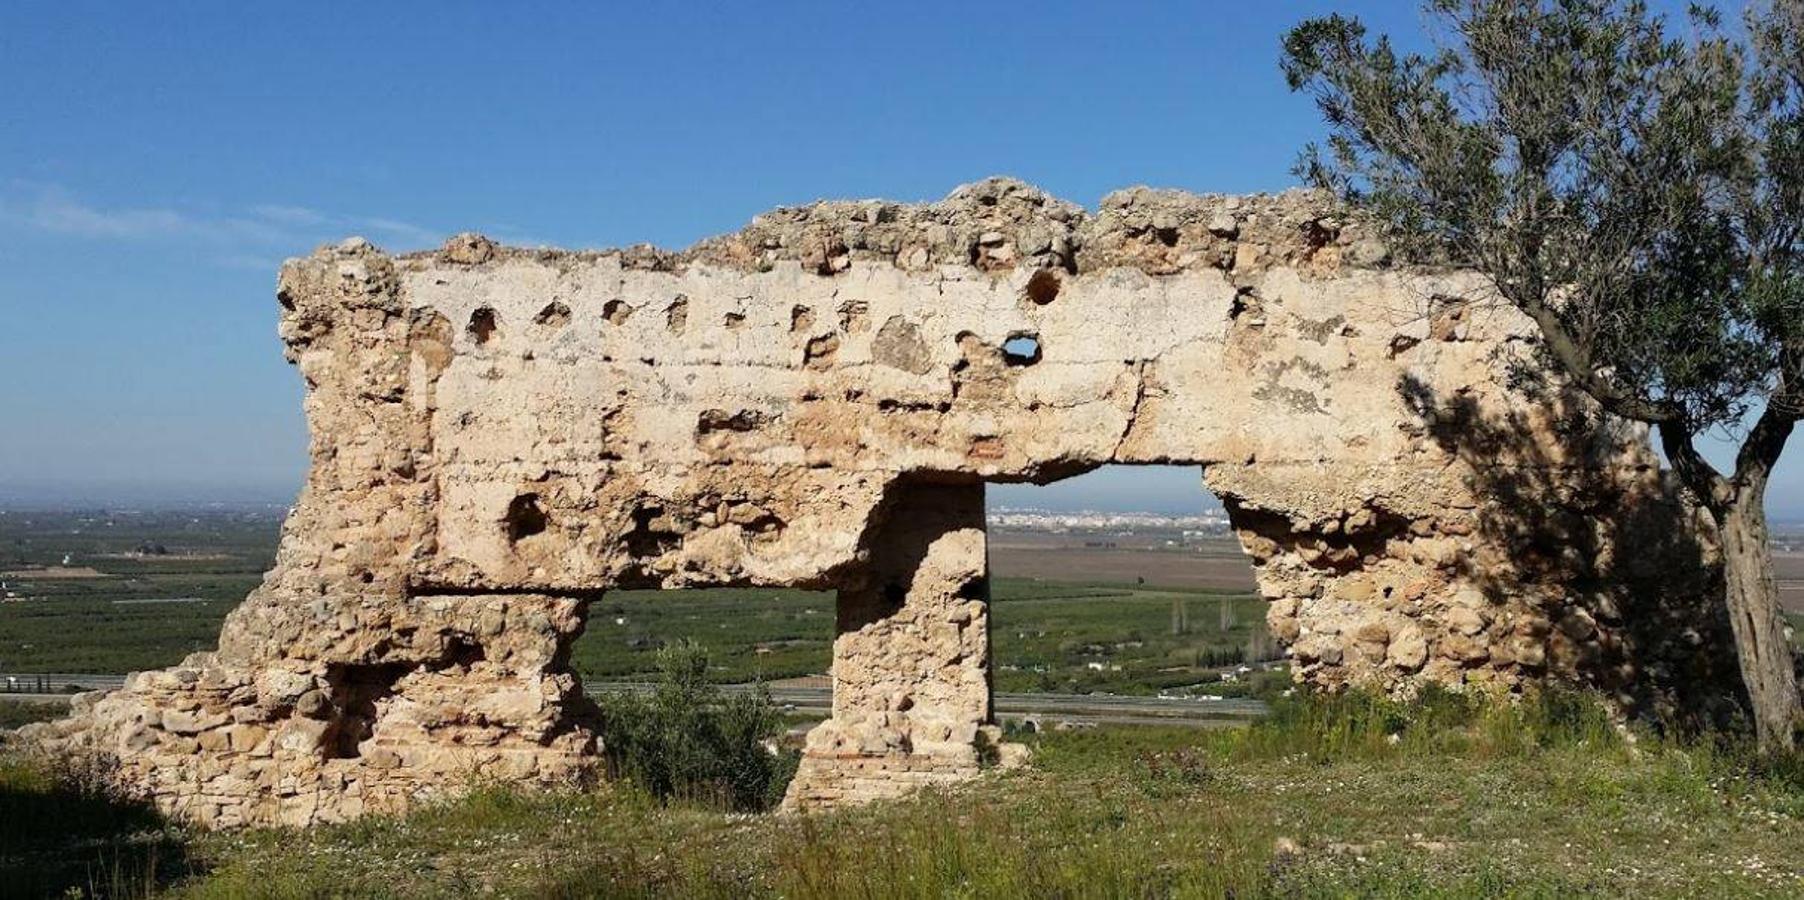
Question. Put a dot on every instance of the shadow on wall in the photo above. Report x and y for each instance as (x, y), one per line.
(1630, 585)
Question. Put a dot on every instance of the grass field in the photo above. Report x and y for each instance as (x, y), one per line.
(1329, 797)
(1046, 636)
(1544, 799)
(1070, 635)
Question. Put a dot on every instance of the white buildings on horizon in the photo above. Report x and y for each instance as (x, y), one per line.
(1213, 521)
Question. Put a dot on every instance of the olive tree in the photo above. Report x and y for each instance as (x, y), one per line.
(1635, 186)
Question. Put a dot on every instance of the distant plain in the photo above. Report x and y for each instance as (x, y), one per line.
(1117, 612)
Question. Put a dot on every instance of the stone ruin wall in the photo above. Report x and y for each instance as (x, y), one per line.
(500, 435)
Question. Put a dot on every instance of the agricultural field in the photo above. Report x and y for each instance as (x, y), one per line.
(1153, 557)
(1045, 636)
(87, 600)
(115, 592)
(1122, 613)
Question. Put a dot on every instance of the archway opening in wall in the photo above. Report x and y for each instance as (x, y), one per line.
(731, 739)
(780, 637)
(1124, 580)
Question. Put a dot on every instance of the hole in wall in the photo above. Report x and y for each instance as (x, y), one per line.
(554, 315)
(1043, 287)
(484, 324)
(525, 518)
(749, 634)
(463, 651)
(743, 420)
(616, 312)
(819, 352)
(1021, 349)
(357, 692)
(1241, 303)
(653, 534)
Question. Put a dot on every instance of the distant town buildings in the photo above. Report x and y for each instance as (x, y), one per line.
(1207, 522)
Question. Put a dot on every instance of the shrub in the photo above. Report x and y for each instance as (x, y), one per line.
(66, 831)
(687, 739)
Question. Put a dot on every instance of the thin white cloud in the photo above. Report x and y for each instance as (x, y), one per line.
(404, 231)
(54, 211)
(290, 215)
(261, 233)
(302, 217)
(249, 262)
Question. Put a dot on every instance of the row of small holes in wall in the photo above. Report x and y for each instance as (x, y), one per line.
(1021, 348)
(485, 323)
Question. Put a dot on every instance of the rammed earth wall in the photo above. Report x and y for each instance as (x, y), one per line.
(500, 435)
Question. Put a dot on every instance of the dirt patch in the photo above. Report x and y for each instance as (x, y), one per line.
(1789, 569)
(54, 572)
(1214, 565)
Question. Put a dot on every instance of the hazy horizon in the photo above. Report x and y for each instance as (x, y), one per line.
(1171, 490)
(1166, 490)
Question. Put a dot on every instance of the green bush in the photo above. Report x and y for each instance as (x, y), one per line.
(688, 740)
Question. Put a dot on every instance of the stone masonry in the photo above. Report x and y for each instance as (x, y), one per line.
(500, 435)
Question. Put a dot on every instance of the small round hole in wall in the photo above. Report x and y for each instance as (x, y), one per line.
(1021, 349)
(483, 324)
(525, 518)
(1043, 287)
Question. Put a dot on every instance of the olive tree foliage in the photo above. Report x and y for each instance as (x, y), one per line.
(1635, 185)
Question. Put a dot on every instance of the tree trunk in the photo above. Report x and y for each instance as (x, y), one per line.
(1753, 601)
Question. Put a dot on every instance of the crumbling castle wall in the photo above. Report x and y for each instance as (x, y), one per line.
(500, 435)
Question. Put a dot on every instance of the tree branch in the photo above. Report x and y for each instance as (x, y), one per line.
(1573, 357)
(1694, 471)
(1760, 452)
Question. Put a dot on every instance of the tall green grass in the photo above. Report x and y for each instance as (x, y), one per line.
(63, 832)
(1436, 722)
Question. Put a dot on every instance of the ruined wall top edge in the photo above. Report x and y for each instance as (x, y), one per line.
(998, 224)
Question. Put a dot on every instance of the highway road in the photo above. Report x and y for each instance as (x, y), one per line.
(1047, 709)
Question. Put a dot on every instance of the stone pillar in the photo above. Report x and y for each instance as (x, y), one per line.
(911, 663)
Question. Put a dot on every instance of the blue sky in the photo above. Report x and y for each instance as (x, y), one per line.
(157, 161)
